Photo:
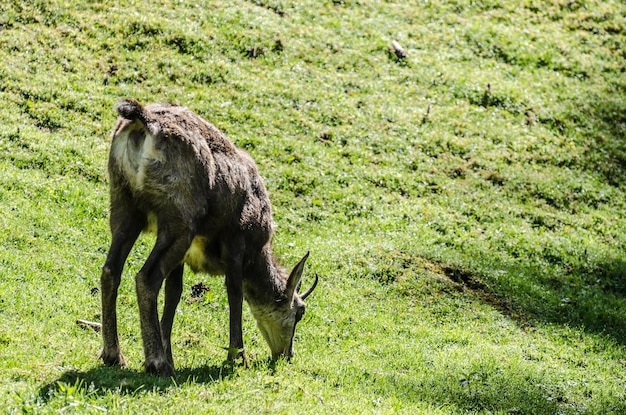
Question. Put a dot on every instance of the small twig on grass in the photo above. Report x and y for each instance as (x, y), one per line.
(91, 324)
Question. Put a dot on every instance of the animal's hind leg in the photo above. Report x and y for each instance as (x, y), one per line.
(125, 229)
(173, 291)
(167, 256)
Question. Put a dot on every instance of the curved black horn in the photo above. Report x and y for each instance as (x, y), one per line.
(310, 290)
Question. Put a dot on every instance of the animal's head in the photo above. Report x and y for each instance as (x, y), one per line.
(278, 321)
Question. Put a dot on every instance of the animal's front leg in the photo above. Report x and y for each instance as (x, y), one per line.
(147, 292)
(234, 288)
(167, 254)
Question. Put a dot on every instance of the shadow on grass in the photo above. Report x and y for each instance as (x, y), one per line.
(592, 297)
(492, 394)
(102, 380)
(492, 391)
(604, 120)
(578, 292)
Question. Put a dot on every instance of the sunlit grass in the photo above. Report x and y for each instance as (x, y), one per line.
(463, 206)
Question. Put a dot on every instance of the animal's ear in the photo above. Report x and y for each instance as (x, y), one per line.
(296, 275)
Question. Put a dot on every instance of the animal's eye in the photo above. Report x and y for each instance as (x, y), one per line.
(299, 314)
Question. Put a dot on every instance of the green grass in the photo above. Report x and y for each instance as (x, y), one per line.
(464, 207)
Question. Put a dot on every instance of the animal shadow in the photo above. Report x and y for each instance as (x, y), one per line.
(103, 380)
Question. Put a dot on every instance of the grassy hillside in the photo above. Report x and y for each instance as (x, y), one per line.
(464, 205)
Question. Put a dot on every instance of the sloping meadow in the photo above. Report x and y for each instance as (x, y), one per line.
(462, 199)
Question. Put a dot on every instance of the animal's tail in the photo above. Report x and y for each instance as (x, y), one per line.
(132, 110)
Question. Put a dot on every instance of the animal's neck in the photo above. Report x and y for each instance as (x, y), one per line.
(264, 280)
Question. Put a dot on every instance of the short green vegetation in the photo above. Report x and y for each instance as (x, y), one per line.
(464, 205)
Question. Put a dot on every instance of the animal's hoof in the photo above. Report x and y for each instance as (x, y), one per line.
(239, 356)
(113, 359)
(161, 368)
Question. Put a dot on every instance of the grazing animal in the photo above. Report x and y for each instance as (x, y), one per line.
(173, 173)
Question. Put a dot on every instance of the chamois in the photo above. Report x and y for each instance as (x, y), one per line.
(175, 174)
